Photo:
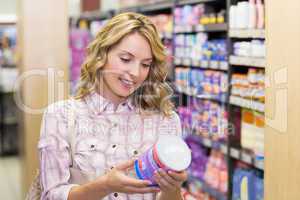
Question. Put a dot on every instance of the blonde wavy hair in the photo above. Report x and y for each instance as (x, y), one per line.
(155, 93)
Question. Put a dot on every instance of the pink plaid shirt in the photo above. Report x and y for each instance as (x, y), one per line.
(104, 138)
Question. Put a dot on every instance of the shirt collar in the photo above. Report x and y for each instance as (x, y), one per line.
(98, 104)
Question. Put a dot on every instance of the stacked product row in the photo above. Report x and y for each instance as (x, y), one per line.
(249, 86)
(247, 15)
(202, 83)
(252, 132)
(192, 15)
(205, 118)
(254, 48)
(198, 47)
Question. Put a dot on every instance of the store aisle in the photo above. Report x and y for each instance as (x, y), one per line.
(10, 178)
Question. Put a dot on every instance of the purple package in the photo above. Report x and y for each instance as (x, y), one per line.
(79, 40)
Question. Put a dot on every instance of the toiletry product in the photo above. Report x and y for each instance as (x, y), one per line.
(260, 14)
(232, 17)
(252, 15)
(169, 153)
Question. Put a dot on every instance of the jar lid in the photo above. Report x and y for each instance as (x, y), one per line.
(173, 152)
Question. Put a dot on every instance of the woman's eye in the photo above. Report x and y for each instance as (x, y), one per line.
(126, 60)
(146, 65)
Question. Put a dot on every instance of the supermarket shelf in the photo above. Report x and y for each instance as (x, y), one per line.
(200, 28)
(152, 7)
(208, 189)
(156, 6)
(246, 103)
(205, 64)
(247, 33)
(246, 157)
(210, 143)
(247, 61)
(190, 92)
(97, 15)
(186, 2)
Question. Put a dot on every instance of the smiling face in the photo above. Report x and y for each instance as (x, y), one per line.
(127, 67)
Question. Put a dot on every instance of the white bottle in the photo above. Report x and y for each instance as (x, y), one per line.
(252, 15)
(243, 15)
(233, 17)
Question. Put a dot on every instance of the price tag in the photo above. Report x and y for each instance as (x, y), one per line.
(200, 28)
(246, 158)
(196, 63)
(224, 65)
(235, 153)
(188, 28)
(214, 64)
(187, 61)
(259, 164)
(204, 64)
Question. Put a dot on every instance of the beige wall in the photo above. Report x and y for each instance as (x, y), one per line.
(282, 177)
(43, 41)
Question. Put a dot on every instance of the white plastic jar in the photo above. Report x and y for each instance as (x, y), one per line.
(169, 153)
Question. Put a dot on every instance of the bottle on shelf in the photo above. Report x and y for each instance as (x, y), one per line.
(252, 15)
(260, 14)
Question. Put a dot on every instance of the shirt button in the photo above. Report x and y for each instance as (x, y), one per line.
(135, 152)
(114, 146)
(92, 146)
(115, 194)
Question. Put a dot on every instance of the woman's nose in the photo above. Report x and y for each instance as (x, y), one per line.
(134, 69)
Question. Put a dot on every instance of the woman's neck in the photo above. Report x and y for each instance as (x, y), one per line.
(105, 92)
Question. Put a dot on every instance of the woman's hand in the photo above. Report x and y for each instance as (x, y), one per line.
(117, 181)
(170, 182)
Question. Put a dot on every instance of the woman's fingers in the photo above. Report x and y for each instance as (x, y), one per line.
(179, 176)
(128, 181)
(168, 178)
(131, 189)
(163, 183)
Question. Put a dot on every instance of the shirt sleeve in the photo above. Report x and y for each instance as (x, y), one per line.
(54, 153)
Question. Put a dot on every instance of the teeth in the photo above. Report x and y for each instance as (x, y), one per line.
(127, 82)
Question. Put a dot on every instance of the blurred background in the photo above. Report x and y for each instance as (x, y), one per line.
(231, 115)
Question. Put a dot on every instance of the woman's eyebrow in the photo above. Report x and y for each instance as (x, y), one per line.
(127, 52)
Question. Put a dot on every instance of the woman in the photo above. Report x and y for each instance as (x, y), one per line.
(121, 108)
